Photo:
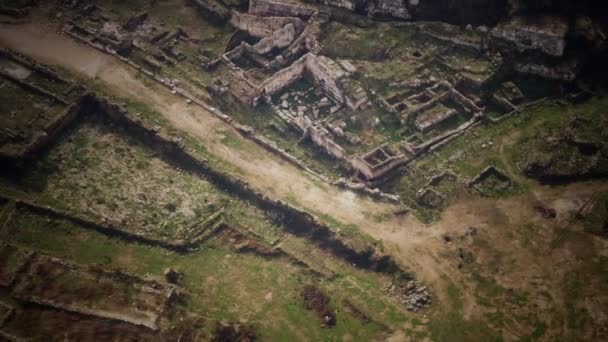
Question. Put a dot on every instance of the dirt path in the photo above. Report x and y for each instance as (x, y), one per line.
(415, 245)
(260, 168)
(406, 239)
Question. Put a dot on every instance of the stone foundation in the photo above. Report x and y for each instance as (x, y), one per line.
(261, 27)
(285, 8)
(377, 163)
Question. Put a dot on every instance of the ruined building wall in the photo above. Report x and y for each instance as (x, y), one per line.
(322, 138)
(365, 169)
(279, 39)
(261, 27)
(284, 77)
(548, 37)
(314, 68)
(307, 41)
(562, 72)
(390, 8)
(211, 9)
(462, 100)
(319, 136)
(229, 56)
(347, 4)
(322, 76)
(280, 9)
(374, 172)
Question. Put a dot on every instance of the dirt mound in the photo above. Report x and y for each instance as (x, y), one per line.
(316, 300)
(548, 213)
(233, 333)
(245, 244)
(577, 150)
(37, 323)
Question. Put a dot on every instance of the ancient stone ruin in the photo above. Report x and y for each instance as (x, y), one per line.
(377, 163)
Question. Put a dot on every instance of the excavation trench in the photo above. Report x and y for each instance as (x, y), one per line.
(292, 219)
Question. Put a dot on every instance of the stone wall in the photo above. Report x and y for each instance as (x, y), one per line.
(262, 27)
(281, 8)
(310, 65)
(390, 9)
(307, 41)
(319, 137)
(562, 72)
(546, 34)
(372, 172)
(347, 4)
(284, 77)
(426, 125)
(279, 39)
(212, 9)
(325, 76)
(462, 100)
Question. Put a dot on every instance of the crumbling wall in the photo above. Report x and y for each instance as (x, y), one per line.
(439, 140)
(284, 77)
(390, 8)
(42, 282)
(459, 12)
(415, 111)
(371, 171)
(547, 34)
(261, 27)
(324, 76)
(426, 125)
(307, 41)
(314, 67)
(319, 136)
(462, 100)
(212, 9)
(562, 72)
(235, 53)
(347, 4)
(48, 133)
(280, 9)
(279, 39)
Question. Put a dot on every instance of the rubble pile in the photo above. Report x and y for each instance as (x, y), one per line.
(413, 295)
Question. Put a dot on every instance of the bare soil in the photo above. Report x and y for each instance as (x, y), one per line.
(233, 333)
(33, 322)
(314, 299)
(11, 260)
(257, 166)
(245, 244)
(70, 285)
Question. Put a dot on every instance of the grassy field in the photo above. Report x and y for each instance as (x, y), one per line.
(221, 284)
